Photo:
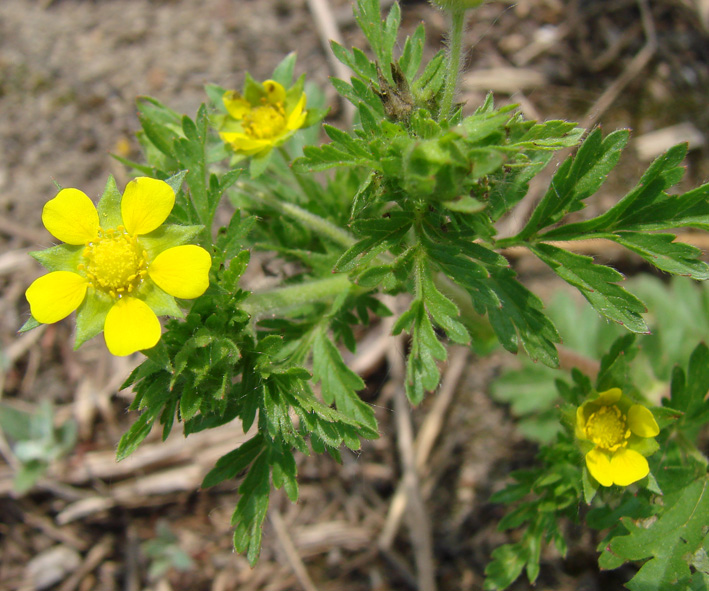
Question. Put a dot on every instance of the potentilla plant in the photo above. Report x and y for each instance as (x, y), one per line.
(404, 202)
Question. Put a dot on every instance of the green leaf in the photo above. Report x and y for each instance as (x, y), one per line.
(231, 464)
(520, 317)
(669, 543)
(381, 234)
(505, 567)
(662, 174)
(250, 512)
(688, 395)
(597, 283)
(340, 384)
(661, 251)
(411, 55)
(138, 431)
(577, 179)
(421, 369)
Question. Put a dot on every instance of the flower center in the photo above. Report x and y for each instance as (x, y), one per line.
(115, 262)
(607, 428)
(264, 122)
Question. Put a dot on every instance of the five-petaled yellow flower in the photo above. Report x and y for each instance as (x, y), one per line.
(619, 434)
(264, 118)
(119, 265)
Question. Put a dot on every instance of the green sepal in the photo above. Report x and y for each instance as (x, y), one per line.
(63, 257)
(91, 316)
(163, 304)
(175, 181)
(109, 206)
(259, 163)
(590, 486)
(283, 72)
(31, 323)
(215, 94)
(294, 93)
(167, 236)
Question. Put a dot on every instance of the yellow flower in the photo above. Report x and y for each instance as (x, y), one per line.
(264, 118)
(119, 265)
(619, 434)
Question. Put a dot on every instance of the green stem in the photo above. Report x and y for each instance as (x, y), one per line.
(455, 46)
(286, 298)
(298, 179)
(319, 225)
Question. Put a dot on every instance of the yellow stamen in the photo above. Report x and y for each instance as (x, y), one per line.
(265, 122)
(607, 428)
(115, 262)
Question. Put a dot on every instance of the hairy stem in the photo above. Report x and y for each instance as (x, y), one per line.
(316, 223)
(455, 47)
(286, 298)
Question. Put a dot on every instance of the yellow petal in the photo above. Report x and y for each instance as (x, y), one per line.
(580, 423)
(182, 271)
(146, 204)
(628, 466)
(641, 421)
(71, 217)
(56, 295)
(297, 115)
(131, 326)
(599, 465)
(610, 396)
(236, 105)
(275, 93)
(242, 143)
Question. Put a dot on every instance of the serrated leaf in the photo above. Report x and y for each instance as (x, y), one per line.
(231, 464)
(577, 179)
(132, 438)
(421, 368)
(520, 317)
(668, 543)
(662, 174)
(339, 383)
(250, 512)
(661, 251)
(597, 283)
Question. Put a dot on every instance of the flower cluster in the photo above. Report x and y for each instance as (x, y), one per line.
(616, 435)
(119, 266)
(263, 118)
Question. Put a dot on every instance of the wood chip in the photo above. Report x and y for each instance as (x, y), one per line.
(503, 80)
(650, 145)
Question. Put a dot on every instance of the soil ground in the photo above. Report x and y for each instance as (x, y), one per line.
(70, 71)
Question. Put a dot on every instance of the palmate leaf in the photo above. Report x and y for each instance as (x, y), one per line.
(670, 543)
